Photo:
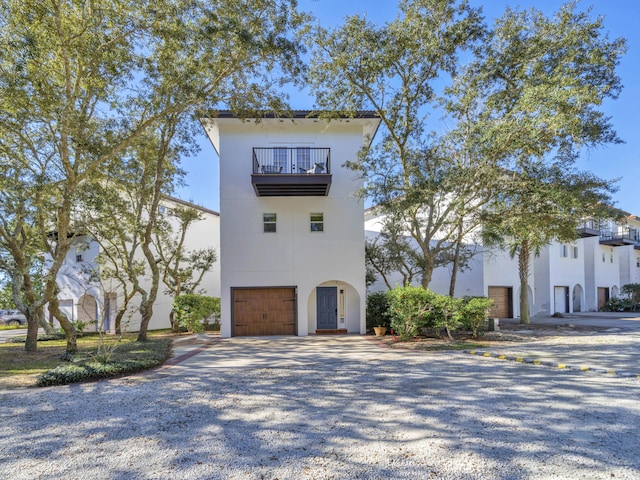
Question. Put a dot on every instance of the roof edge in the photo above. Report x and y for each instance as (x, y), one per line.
(292, 114)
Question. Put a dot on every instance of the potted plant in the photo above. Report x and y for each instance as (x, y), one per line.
(380, 330)
(377, 313)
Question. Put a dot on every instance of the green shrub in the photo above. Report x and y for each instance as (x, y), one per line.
(617, 304)
(378, 310)
(445, 313)
(632, 290)
(192, 310)
(475, 311)
(409, 309)
(41, 338)
(128, 358)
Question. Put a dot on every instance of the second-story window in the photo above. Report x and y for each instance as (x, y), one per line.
(269, 222)
(317, 222)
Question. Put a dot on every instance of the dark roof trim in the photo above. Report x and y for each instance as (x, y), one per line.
(189, 204)
(293, 114)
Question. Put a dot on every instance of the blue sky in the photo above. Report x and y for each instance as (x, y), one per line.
(612, 161)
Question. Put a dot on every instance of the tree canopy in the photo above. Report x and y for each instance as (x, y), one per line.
(518, 99)
(83, 82)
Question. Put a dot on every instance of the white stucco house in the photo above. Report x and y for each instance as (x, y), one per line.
(572, 277)
(291, 226)
(86, 297)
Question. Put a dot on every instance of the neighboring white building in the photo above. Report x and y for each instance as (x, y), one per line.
(85, 297)
(573, 277)
(292, 236)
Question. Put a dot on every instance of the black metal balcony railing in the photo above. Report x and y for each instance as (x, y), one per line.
(291, 161)
(621, 236)
(286, 172)
(590, 228)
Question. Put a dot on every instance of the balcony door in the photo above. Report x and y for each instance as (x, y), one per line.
(292, 158)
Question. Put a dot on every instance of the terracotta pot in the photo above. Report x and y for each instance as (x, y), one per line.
(380, 331)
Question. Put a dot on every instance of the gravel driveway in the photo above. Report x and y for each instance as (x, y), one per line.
(343, 409)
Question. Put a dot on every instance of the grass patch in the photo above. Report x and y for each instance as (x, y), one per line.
(13, 327)
(430, 344)
(19, 368)
(451, 346)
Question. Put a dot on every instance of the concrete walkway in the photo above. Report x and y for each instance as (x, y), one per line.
(612, 351)
(613, 348)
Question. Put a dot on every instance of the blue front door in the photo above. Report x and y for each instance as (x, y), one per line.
(327, 308)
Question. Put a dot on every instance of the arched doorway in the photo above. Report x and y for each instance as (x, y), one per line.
(87, 309)
(578, 295)
(334, 307)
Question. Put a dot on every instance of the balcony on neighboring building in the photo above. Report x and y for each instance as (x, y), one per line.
(621, 236)
(590, 228)
(291, 171)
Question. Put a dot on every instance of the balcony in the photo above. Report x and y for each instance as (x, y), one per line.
(621, 236)
(291, 172)
(590, 228)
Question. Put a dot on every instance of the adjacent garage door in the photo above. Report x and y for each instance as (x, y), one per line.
(502, 301)
(263, 311)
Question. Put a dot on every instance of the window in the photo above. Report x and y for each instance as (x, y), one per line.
(638, 262)
(317, 222)
(574, 252)
(79, 258)
(564, 251)
(611, 257)
(269, 222)
(603, 257)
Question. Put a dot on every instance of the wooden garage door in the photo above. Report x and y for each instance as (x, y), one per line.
(264, 311)
(502, 300)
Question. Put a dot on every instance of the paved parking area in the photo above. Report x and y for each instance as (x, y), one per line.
(326, 407)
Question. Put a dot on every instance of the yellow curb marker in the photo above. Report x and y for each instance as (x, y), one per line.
(611, 372)
(519, 359)
(584, 369)
(536, 362)
(562, 365)
(472, 352)
(487, 354)
(501, 357)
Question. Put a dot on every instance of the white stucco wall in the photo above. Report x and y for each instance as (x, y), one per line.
(602, 269)
(204, 233)
(75, 279)
(500, 270)
(552, 269)
(629, 260)
(293, 256)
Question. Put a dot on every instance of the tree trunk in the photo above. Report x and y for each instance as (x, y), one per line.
(456, 263)
(172, 320)
(146, 312)
(31, 344)
(69, 331)
(524, 255)
(427, 273)
(42, 321)
(118, 325)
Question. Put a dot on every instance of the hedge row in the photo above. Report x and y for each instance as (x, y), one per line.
(411, 310)
(129, 357)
